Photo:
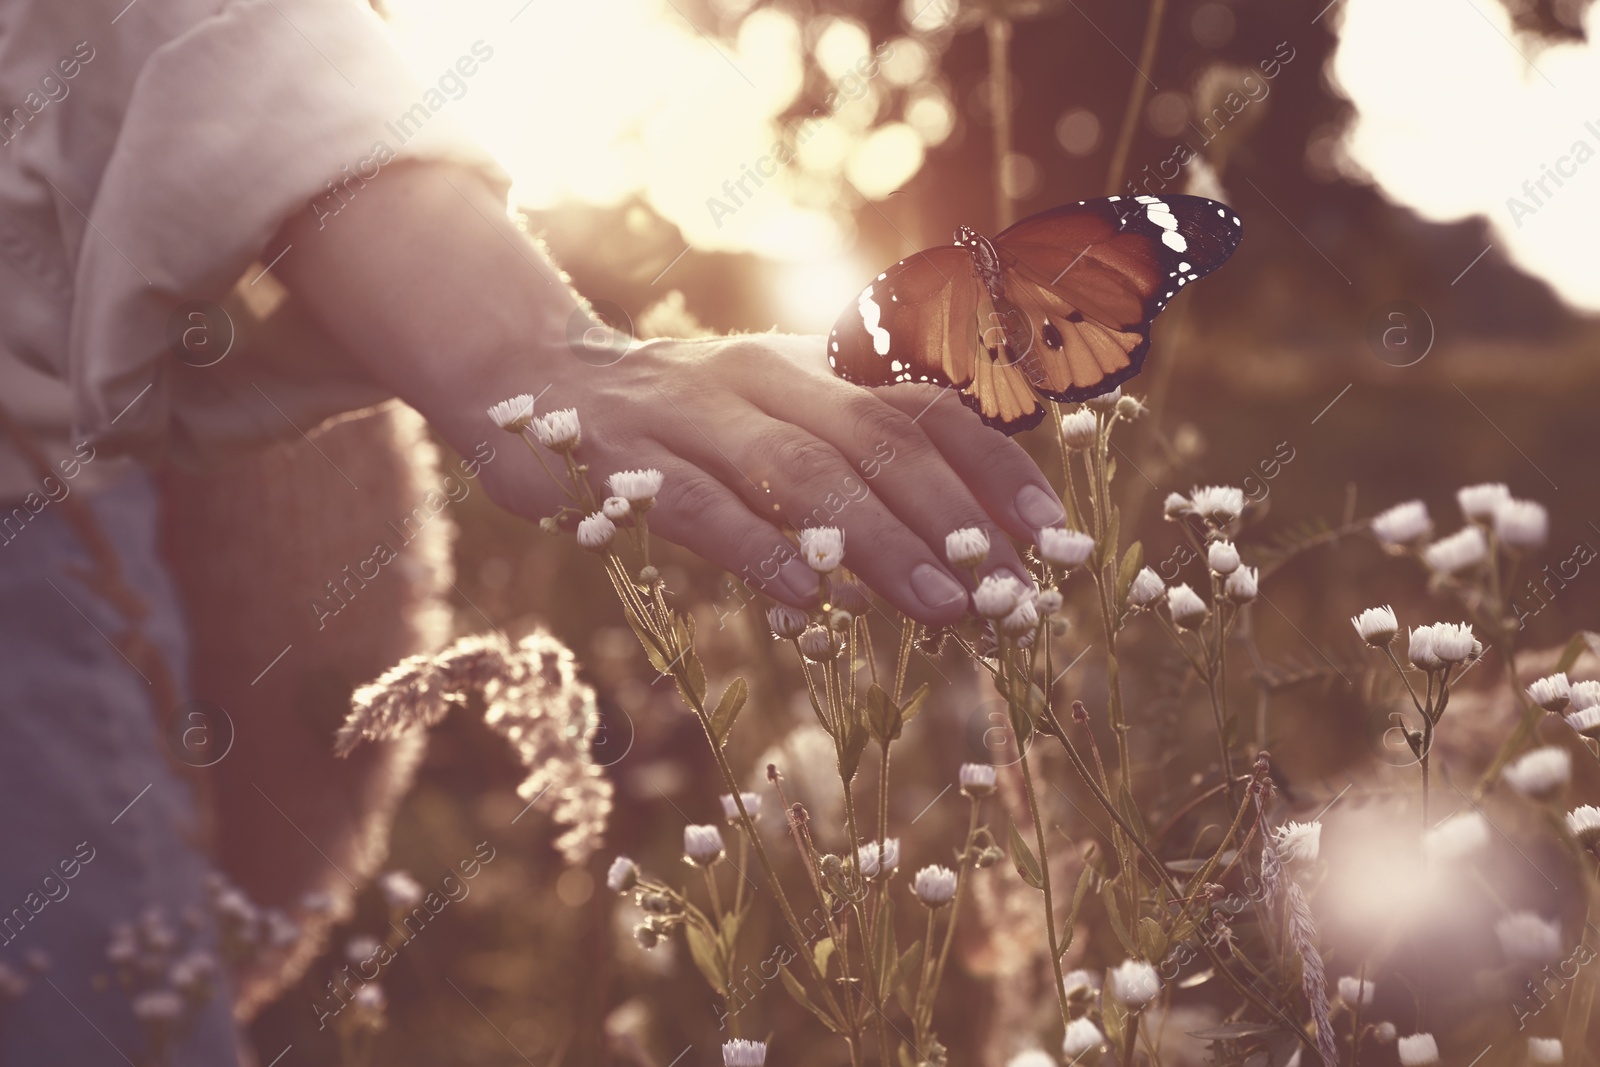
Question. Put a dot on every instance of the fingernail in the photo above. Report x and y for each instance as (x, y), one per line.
(799, 579)
(1038, 508)
(934, 587)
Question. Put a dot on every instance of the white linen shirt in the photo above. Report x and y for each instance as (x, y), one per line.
(147, 155)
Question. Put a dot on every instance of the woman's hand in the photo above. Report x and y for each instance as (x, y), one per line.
(440, 296)
(754, 436)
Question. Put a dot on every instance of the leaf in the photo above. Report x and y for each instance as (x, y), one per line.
(1234, 1031)
(907, 968)
(728, 933)
(1108, 896)
(1078, 894)
(657, 659)
(855, 743)
(1152, 942)
(1579, 644)
(1130, 810)
(1021, 723)
(1022, 856)
(706, 955)
(913, 704)
(1113, 1020)
(798, 992)
(1132, 562)
(695, 675)
(822, 954)
(1108, 548)
(882, 717)
(728, 709)
(885, 954)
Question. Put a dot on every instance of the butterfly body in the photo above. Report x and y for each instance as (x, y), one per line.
(1057, 307)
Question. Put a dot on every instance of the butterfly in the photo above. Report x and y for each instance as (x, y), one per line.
(1057, 307)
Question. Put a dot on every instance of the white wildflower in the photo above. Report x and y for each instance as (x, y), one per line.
(752, 804)
(361, 948)
(1419, 1050)
(1032, 1057)
(559, 430)
(1223, 557)
(1021, 620)
(1529, 938)
(1049, 602)
(1186, 607)
(1462, 550)
(1299, 840)
(1453, 642)
(370, 998)
(1479, 501)
(1585, 721)
(786, 622)
(702, 845)
(1147, 588)
(616, 508)
(935, 886)
(1402, 524)
(1080, 428)
(1541, 772)
(1064, 548)
(822, 548)
(1583, 822)
(1545, 1051)
(817, 644)
(1241, 587)
(996, 595)
(1521, 523)
(742, 1053)
(596, 532)
(1353, 991)
(1552, 692)
(967, 547)
(1377, 626)
(1584, 694)
(513, 415)
(1135, 983)
(623, 875)
(879, 859)
(1456, 837)
(1080, 981)
(977, 779)
(1420, 651)
(1105, 401)
(638, 488)
(400, 890)
(1081, 1036)
(1221, 504)
(1176, 506)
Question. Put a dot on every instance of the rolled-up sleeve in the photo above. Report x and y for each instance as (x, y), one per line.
(262, 109)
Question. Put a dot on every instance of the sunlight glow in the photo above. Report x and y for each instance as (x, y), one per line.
(1459, 115)
(611, 99)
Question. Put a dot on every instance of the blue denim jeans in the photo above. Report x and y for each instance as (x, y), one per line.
(95, 825)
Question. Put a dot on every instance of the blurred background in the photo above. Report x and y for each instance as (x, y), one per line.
(1409, 312)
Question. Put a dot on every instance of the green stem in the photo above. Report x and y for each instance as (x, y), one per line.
(1130, 119)
(998, 31)
(962, 877)
(716, 897)
(1044, 877)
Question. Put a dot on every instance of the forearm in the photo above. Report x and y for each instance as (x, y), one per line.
(429, 284)
(437, 294)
